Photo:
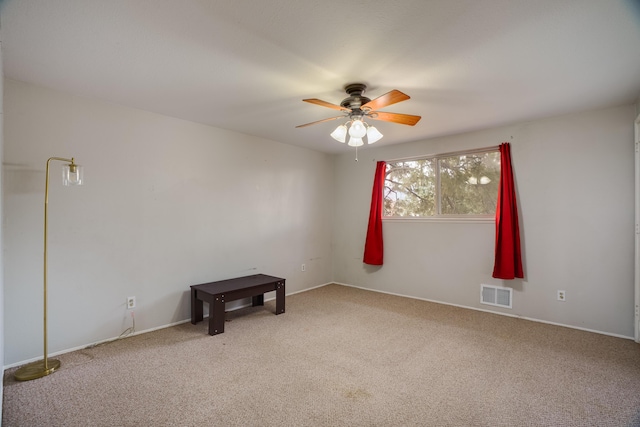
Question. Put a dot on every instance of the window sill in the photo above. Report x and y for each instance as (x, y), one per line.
(447, 219)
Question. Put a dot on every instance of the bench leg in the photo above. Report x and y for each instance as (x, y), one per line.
(280, 297)
(216, 316)
(196, 308)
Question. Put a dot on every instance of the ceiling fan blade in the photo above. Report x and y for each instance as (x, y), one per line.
(326, 104)
(403, 119)
(382, 101)
(320, 121)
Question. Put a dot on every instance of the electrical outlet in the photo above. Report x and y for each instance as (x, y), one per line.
(562, 296)
(131, 303)
(304, 267)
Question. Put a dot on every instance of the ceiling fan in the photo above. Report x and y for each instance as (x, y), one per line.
(356, 108)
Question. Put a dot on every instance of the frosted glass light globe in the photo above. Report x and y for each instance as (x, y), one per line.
(340, 134)
(357, 129)
(373, 135)
(355, 142)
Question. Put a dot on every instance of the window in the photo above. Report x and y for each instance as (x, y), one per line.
(448, 185)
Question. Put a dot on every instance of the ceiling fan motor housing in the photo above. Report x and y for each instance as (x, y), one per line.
(355, 99)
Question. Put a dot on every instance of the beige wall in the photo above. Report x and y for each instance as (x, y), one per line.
(574, 176)
(169, 203)
(166, 204)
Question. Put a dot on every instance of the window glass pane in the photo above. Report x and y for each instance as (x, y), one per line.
(469, 183)
(410, 188)
(461, 184)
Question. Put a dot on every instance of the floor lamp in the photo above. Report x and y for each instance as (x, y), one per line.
(71, 175)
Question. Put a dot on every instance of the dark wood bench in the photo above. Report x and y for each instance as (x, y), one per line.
(218, 293)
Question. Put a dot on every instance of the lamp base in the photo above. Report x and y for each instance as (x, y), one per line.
(36, 370)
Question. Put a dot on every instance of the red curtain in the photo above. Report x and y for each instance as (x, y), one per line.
(373, 248)
(508, 260)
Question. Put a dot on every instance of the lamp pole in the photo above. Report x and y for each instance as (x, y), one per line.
(72, 175)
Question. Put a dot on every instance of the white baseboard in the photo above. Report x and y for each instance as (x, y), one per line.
(23, 362)
(491, 311)
(69, 350)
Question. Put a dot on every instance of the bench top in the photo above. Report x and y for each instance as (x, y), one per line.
(229, 285)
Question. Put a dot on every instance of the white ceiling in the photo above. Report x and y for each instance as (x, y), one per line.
(246, 65)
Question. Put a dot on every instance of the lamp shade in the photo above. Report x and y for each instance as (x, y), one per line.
(71, 174)
(373, 135)
(340, 133)
(355, 142)
(357, 129)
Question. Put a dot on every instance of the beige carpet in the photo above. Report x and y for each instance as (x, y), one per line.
(342, 357)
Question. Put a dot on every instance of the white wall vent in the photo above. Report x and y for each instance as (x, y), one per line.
(495, 295)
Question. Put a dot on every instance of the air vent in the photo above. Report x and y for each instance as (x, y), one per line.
(495, 295)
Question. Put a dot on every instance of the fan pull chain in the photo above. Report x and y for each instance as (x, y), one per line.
(356, 153)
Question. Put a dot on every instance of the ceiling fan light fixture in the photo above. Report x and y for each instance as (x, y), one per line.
(355, 108)
(373, 135)
(357, 129)
(340, 133)
(355, 142)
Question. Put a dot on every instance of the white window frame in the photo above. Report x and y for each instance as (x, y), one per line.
(489, 218)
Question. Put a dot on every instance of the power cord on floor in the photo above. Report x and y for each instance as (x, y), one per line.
(131, 330)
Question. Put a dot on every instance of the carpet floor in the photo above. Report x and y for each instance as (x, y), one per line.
(341, 356)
